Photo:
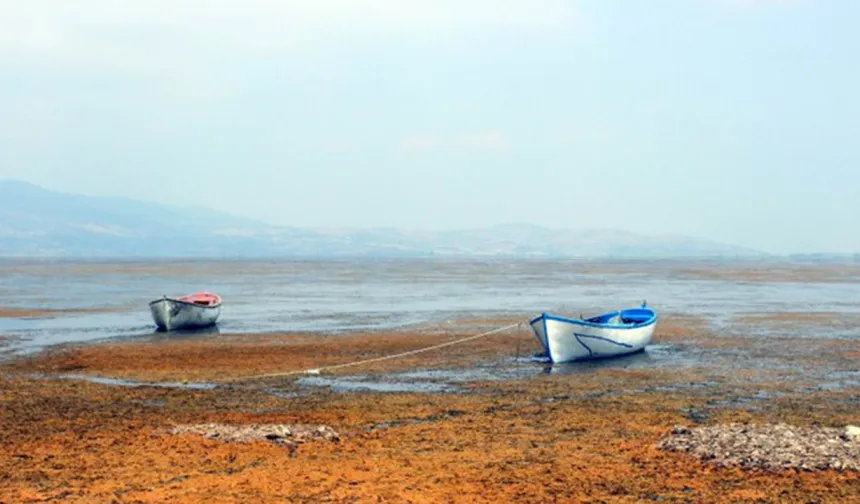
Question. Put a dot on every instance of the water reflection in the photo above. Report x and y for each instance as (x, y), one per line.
(180, 334)
(653, 356)
(639, 359)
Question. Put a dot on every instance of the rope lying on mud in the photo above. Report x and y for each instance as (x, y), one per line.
(315, 371)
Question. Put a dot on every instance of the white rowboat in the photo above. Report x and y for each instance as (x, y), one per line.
(197, 310)
(607, 335)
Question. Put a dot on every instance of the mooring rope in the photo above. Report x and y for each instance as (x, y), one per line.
(316, 371)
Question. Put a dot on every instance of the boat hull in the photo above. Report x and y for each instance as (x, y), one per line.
(567, 340)
(172, 314)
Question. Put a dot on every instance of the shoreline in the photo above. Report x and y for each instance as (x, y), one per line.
(429, 327)
(268, 352)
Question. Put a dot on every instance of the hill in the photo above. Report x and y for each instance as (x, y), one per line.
(37, 222)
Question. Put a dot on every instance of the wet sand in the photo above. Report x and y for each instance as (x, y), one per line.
(42, 313)
(730, 270)
(799, 320)
(772, 272)
(109, 299)
(514, 429)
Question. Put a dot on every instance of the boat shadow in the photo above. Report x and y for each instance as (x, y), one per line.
(641, 358)
(178, 334)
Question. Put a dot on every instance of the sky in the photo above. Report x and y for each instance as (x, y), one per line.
(733, 120)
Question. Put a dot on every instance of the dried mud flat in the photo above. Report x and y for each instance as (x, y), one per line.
(771, 447)
(545, 437)
(280, 434)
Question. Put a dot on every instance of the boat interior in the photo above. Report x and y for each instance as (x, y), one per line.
(632, 316)
(202, 298)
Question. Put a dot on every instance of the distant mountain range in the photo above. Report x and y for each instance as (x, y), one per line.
(35, 222)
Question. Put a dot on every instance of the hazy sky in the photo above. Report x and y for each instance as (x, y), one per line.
(736, 120)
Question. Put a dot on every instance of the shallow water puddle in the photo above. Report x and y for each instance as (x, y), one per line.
(356, 384)
(130, 383)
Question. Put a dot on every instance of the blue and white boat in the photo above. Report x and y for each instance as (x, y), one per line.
(608, 335)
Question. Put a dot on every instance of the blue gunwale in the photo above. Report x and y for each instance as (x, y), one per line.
(648, 322)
